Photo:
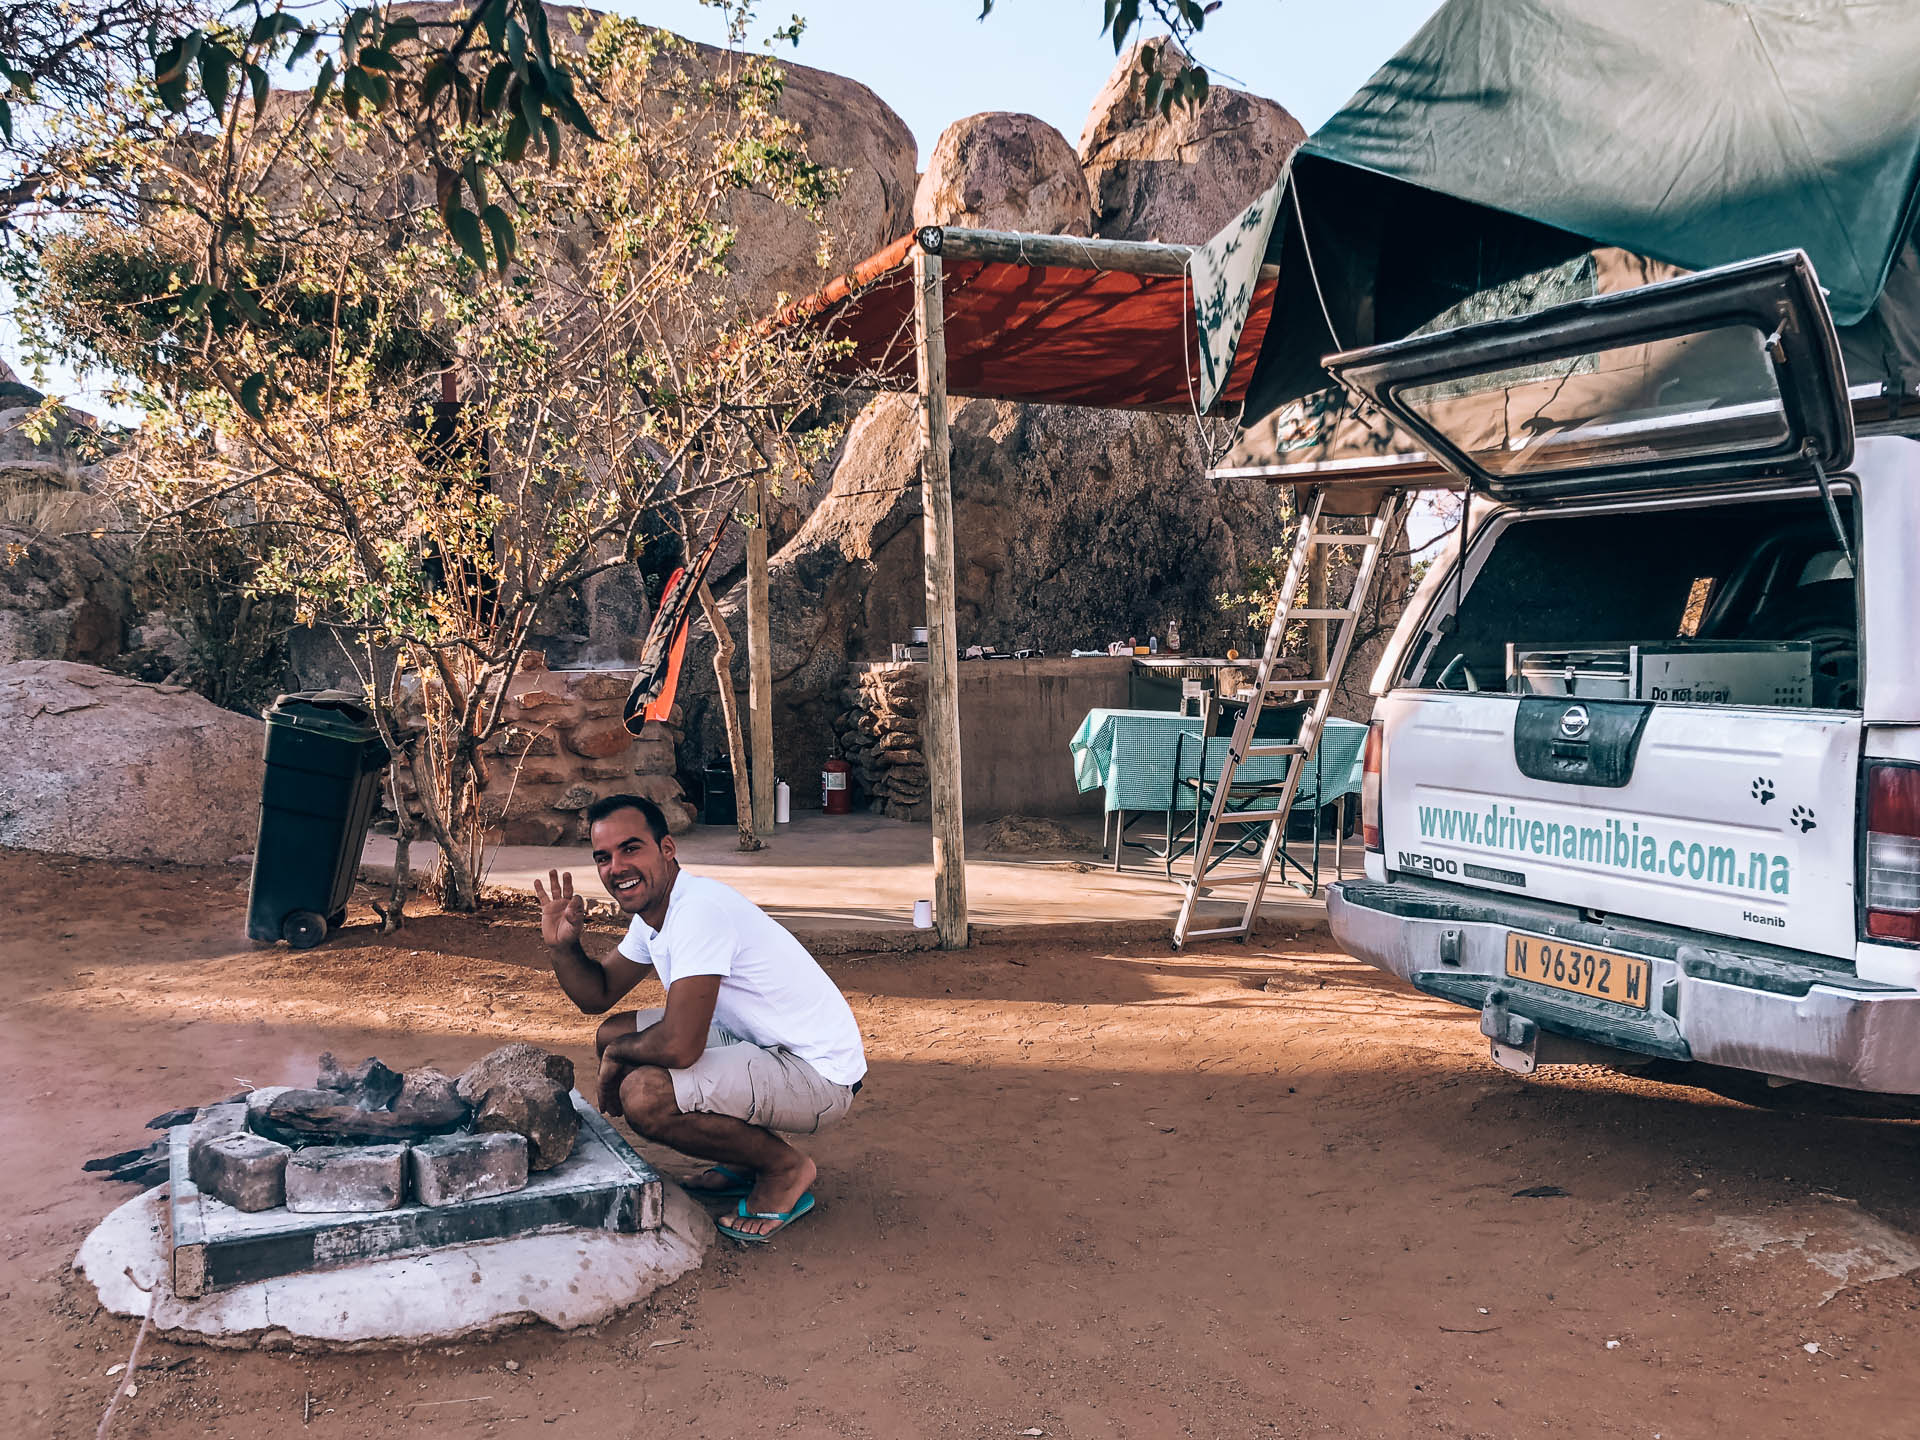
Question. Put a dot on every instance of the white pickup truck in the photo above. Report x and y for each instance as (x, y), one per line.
(1643, 781)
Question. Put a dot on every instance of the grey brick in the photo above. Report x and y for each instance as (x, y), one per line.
(213, 1121)
(246, 1171)
(453, 1168)
(325, 1179)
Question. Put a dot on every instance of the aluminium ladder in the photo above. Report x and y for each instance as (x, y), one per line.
(1372, 541)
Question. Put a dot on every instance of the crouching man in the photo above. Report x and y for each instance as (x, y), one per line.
(754, 1038)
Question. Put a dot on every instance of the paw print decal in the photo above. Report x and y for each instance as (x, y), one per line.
(1802, 817)
(1762, 789)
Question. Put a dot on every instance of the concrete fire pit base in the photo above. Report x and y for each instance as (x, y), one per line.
(566, 1278)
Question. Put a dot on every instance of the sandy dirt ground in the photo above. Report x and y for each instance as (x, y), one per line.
(1087, 1192)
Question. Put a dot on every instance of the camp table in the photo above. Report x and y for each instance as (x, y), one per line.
(1135, 756)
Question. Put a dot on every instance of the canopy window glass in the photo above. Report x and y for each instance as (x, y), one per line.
(1711, 392)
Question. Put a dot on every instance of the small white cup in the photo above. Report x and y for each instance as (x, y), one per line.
(923, 914)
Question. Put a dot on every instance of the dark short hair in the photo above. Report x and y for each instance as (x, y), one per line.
(656, 819)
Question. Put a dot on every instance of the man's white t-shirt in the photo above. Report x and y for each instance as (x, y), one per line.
(773, 992)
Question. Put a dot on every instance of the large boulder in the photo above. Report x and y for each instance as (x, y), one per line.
(98, 764)
(1072, 527)
(1178, 179)
(854, 132)
(1002, 171)
(59, 599)
(845, 127)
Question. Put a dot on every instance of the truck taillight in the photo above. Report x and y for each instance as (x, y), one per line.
(1893, 851)
(1370, 789)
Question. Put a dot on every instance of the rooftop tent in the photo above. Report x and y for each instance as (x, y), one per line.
(1518, 153)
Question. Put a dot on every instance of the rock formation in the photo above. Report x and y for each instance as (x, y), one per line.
(1001, 171)
(847, 128)
(59, 599)
(879, 734)
(1073, 527)
(1178, 179)
(97, 764)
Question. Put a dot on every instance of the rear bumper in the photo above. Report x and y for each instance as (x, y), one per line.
(1757, 1008)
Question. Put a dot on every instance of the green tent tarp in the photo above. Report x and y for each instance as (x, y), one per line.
(1485, 166)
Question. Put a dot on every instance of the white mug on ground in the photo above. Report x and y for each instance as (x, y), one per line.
(923, 914)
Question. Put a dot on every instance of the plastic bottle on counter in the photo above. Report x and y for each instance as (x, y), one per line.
(1173, 636)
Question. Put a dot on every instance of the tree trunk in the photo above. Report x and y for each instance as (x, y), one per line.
(394, 913)
(730, 713)
(457, 888)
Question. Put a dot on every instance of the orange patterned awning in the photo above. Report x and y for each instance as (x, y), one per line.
(1050, 334)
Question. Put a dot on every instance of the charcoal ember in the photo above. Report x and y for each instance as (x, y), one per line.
(143, 1166)
(524, 1090)
(319, 1117)
(369, 1084)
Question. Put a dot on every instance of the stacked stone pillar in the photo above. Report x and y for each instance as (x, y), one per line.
(879, 733)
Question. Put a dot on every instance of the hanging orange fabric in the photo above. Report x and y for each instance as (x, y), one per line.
(662, 705)
(658, 674)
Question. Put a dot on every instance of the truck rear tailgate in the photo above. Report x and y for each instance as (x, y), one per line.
(1733, 820)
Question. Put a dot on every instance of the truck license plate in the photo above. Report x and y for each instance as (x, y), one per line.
(1602, 974)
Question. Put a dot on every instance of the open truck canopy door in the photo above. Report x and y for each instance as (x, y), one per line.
(1640, 694)
(1729, 376)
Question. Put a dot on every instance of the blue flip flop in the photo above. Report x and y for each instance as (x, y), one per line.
(741, 1183)
(785, 1217)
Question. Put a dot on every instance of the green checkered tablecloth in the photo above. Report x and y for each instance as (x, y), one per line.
(1132, 753)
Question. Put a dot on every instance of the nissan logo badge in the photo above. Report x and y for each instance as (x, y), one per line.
(1573, 722)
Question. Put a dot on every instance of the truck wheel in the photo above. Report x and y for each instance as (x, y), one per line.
(303, 929)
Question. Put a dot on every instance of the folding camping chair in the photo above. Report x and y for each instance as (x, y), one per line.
(1198, 763)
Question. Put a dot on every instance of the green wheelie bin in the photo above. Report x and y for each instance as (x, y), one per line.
(324, 759)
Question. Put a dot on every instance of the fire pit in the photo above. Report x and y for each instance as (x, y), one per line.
(372, 1164)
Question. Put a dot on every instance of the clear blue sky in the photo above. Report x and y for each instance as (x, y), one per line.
(935, 62)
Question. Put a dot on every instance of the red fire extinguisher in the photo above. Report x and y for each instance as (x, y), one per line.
(835, 797)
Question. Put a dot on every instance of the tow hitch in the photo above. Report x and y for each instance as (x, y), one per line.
(1513, 1040)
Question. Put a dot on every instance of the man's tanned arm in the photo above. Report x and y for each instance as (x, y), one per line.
(594, 985)
(681, 1036)
(674, 1044)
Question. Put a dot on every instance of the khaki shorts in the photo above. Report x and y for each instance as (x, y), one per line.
(773, 1088)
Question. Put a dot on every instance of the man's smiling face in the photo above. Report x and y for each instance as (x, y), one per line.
(637, 870)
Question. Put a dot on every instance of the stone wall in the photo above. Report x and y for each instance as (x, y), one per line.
(879, 734)
(1016, 719)
(563, 747)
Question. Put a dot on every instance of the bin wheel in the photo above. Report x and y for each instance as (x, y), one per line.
(303, 929)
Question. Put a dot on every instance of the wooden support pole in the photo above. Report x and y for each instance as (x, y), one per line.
(730, 716)
(760, 662)
(940, 725)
